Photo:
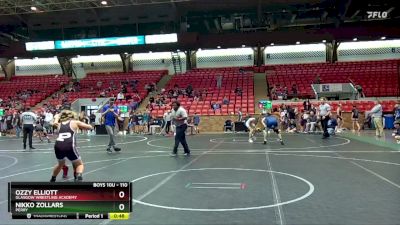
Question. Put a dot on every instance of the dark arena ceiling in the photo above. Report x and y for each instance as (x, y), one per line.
(36, 20)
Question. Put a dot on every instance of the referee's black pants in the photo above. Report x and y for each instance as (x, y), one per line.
(180, 137)
(168, 126)
(27, 130)
(324, 123)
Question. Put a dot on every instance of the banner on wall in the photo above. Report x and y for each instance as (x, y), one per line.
(331, 87)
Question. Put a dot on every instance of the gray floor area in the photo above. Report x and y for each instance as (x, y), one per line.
(228, 180)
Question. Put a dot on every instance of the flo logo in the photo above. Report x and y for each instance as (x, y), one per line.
(377, 14)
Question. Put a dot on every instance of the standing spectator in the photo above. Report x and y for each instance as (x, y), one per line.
(294, 90)
(9, 120)
(360, 93)
(219, 81)
(324, 113)
(92, 119)
(120, 96)
(307, 105)
(179, 118)
(355, 114)
(240, 115)
(274, 96)
(110, 113)
(28, 118)
(167, 119)
(339, 118)
(396, 134)
(397, 112)
(196, 122)
(317, 79)
(48, 120)
(84, 119)
(376, 114)
(17, 124)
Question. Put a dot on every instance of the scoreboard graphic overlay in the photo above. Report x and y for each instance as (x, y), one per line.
(84, 200)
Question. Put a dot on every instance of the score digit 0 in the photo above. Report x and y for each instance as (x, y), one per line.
(121, 194)
(121, 207)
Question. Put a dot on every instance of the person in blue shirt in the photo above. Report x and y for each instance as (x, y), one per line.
(110, 114)
(332, 125)
(270, 122)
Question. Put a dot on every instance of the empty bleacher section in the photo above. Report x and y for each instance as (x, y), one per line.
(89, 85)
(205, 82)
(377, 78)
(30, 90)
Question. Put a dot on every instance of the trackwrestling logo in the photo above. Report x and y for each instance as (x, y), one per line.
(377, 14)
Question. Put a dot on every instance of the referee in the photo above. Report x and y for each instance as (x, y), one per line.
(28, 118)
(179, 118)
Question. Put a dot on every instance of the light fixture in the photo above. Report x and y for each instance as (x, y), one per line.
(125, 53)
(324, 41)
(199, 49)
(383, 38)
(243, 46)
(178, 50)
(218, 46)
(104, 2)
(33, 8)
(355, 39)
(36, 58)
(15, 57)
(150, 52)
(78, 56)
(297, 42)
(272, 44)
(101, 54)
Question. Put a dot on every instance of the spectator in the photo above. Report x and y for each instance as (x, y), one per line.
(292, 128)
(189, 90)
(376, 114)
(17, 124)
(311, 122)
(355, 113)
(48, 120)
(307, 105)
(92, 120)
(303, 120)
(238, 91)
(215, 106)
(397, 112)
(120, 96)
(167, 119)
(196, 122)
(317, 79)
(294, 90)
(285, 93)
(274, 95)
(219, 81)
(240, 115)
(360, 93)
(225, 101)
(396, 134)
(9, 120)
(339, 118)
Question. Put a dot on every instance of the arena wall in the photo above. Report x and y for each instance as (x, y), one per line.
(231, 57)
(293, 54)
(369, 50)
(156, 61)
(37, 66)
